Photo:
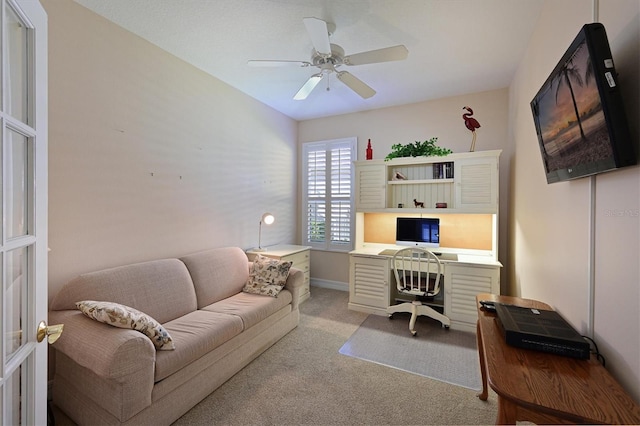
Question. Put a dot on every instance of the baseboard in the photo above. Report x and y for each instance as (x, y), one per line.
(334, 285)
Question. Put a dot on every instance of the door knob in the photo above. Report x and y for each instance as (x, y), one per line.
(51, 332)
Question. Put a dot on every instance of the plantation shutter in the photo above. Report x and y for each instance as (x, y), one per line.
(328, 189)
(316, 192)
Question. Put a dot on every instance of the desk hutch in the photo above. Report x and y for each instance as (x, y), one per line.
(468, 184)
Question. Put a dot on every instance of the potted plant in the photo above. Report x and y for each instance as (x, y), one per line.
(427, 148)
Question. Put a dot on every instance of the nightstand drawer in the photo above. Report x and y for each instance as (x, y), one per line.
(303, 266)
(298, 258)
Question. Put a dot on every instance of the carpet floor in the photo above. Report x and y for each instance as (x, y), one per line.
(447, 355)
(304, 380)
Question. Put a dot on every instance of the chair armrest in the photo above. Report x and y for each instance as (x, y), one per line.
(109, 352)
(294, 284)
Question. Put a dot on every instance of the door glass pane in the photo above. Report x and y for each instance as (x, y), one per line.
(16, 298)
(16, 185)
(17, 86)
(13, 393)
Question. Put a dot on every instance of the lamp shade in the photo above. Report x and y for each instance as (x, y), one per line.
(267, 219)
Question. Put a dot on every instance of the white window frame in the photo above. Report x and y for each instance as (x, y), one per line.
(328, 146)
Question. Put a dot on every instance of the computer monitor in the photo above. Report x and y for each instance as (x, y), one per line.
(418, 232)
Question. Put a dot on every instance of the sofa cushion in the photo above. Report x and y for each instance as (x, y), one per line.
(161, 288)
(195, 334)
(123, 316)
(251, 308)
(267, 276)
(218, 273)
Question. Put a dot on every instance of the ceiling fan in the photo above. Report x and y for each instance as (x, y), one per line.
(328, 57)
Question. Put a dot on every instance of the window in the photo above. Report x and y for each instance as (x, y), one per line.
(327, 194)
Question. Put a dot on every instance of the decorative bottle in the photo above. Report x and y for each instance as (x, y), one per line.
(369, 151)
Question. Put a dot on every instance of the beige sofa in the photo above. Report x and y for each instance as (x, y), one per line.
(110, 375)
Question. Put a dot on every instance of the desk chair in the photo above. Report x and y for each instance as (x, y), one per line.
(418, 273)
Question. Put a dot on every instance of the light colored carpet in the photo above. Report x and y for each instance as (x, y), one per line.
(304, 380)
(450, 356)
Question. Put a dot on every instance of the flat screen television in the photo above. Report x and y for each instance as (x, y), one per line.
(419, 232)
(578, 112)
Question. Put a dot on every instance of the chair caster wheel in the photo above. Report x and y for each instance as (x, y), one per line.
(390, 316)
(414, 333)
(445, 326)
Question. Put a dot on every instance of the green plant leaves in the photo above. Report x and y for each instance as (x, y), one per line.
(427, 148)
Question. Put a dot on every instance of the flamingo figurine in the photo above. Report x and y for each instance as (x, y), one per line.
(472, 124)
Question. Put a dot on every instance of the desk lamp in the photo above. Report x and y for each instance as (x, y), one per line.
(268, 219)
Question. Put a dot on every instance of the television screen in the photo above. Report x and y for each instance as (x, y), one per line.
(419, 232)
(578, 112)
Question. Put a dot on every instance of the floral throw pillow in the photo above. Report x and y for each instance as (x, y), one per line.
(123, 316)
(267, 276)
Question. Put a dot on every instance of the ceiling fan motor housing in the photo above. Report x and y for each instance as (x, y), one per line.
(336, 58)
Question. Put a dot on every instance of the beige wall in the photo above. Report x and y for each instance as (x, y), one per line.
(403, 124)
(150, 157)
(549, 231)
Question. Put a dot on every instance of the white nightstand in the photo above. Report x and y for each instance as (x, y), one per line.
(299, 255)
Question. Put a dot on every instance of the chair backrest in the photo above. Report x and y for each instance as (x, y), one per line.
(417, 271)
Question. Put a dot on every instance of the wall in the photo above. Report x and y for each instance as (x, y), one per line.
(403, 124)
(150, 157)
(550, 227)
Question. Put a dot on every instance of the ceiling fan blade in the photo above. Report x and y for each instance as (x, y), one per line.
(356, 84)
(308, 87)
(395, 53)
(319, 34)
(275, 63)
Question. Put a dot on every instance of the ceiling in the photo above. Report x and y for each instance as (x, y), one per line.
(455, 46)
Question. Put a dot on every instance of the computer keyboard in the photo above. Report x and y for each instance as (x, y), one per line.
(388, 252)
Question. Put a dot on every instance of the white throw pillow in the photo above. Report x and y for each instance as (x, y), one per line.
(268, 276)
(123, 316)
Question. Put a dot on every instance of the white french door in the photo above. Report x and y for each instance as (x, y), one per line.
(23, 229)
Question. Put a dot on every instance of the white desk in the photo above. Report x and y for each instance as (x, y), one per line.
(372, 286)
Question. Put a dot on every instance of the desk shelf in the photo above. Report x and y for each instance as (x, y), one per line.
(419, 182)
(467, 182)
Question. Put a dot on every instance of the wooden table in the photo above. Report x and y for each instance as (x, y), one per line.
(546, 388)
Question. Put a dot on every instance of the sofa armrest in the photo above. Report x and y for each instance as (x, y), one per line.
(114, 366)
(110, 352)
(294, 284)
